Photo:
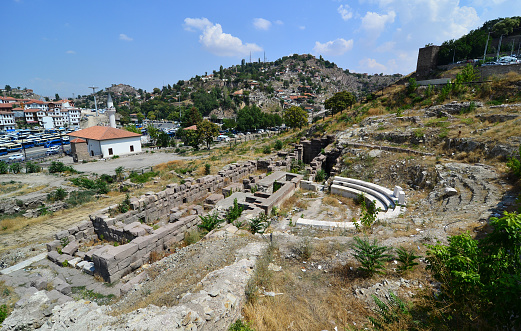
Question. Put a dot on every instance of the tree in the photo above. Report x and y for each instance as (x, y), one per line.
(132, 128)
(153, 133)
(56, 97)
(207, 132)
(8, 88)
(506, 26)
(295, 117)
(193, 117)
(190, 137)
(340, 101)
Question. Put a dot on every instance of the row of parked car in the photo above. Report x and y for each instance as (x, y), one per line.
(505, 60)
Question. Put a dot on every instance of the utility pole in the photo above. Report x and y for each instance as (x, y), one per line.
(95, 103)
(454, 55)
(512, 50)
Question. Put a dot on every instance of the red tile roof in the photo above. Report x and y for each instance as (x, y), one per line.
(103, 133)
(6, 113)
(6, 105)
(193, 127)
(78, 140)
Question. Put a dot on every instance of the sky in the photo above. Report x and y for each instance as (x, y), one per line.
(65, 46)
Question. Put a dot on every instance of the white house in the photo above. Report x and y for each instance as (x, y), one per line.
(104, 141)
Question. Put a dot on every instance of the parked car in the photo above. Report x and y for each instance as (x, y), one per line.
(53, 150)
(17, 157)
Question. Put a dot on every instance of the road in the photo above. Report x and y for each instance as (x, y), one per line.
(34, 153)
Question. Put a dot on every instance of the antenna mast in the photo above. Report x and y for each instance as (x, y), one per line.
(95, 103)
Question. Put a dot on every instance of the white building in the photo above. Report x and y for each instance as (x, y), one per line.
(7, 121)
(104, 141)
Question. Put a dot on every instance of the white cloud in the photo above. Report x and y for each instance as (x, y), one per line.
(278, 22)
(334, 47)
(215, 41)
(124, 37)
(372, 65)
(374, 23)
(261, 24)
(345, 12)
(196, 23)
(302, 27)
(70, 52)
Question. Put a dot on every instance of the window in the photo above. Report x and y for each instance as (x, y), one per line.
(110, 151)
(131, 148)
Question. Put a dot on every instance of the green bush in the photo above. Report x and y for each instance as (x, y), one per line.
(57, 166)
(240, 326)
(266, 149)
(31, 167)
(142, 178)
(4, 167)
(98, 185)
(259, 224)
(234, 212)
(278, 145)
(77, 198)
(481, 279)
(124, 206)
(210, 221)
(57, 195)
(406, 258)
(370, 255)
(15, 168)
(4, 313)
(320, 176)
(207, 168)
(390, 312)
(515, 165)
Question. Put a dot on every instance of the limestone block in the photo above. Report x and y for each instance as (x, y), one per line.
(40, 283)
(52, 245)
(63, 288)
(84, 225)
(75, 261)
(62, 234)
(71, 248)
(73, 230)
(62, 258)
(124, 251)
(53, 256)
(143, 241)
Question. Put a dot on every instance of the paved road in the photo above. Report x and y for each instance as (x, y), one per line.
(34, 153)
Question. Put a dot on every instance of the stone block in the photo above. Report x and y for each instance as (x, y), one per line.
(73, 230)
(40, 283)
(62, 258)
(53, 256)
(71, 248)
(88, 268)
(62, 234)
(75, 261)
(83, 225)
(212, 199)
(52, 245)
(124, 251)
(63, 288)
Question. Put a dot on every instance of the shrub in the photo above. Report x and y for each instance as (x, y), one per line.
(15, 168)
(278, 145)
(65, 263)
(370, 255)
(259, 223)
(320, 176)
(210, 221)
(31, 167)
(191, 237)
(4, 312)
(406, 258)
(4, 167)
(119, 172)
(266, 149)
(387, 314)
(233, 212)
(57, 195)
(240, 326)
(124, 206)
(207, 168)
(57, 166)
(142, 178)
(77, 198)
(98, 185)
(515, 165)
(303, 249)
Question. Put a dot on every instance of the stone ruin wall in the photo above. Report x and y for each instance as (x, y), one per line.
(114, 262)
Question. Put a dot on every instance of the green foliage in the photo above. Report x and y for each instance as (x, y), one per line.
(320, 176)
(506, 26)
(57, 195)
(468, 74)
(119, 172)
(515, 165)
(370, 255)
(192, 236)
(240, 326)
(15, 168)
(368, 211)
(207, 131)
(4, 313)
(481, 279)
(99, 186)
(259, 224)
(57, 166)
(276, 186)
(234, 212)
(210, 221)
(278, 145)
(266, 149)
(207, 168)
(413, 86)
(389, 312)
(4, 167)
(406, 258)
(295, 117)
(77, 198)
(31, 167)
(340, 101)
(65, 263)
(124, 206)
(142, 178)
(132, 128)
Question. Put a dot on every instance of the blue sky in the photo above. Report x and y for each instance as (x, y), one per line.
(65, 46)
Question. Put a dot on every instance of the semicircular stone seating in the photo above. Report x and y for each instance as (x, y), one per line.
(390, 202)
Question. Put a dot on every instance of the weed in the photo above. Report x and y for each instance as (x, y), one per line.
(233, 212)
(303, 249)
(65, 263)
(192, 236)
(240, 326)
(210, 221)
(64, 241)
(57, 195)
(259, 223)
(4, 312)
(406, 258)
(390, 313)
(370, 255)
(320, 176)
